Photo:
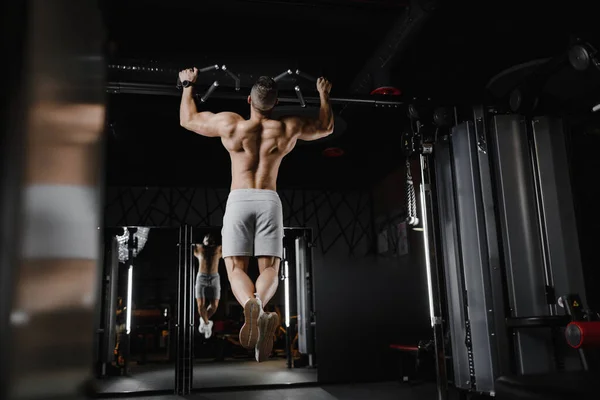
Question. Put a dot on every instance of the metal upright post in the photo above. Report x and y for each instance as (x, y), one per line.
(183, 366)
(434, 270)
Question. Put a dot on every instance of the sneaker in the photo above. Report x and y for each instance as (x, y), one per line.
(249, 331)
(259, 304)
(202, 325)
(267, 325)
(208, 329)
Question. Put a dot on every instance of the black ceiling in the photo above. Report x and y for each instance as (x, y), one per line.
(453, 56)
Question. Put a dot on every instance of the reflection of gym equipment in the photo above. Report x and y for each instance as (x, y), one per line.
(150, 335)
(296, 273)
(504, 273)
(416, 362)
(115, 339)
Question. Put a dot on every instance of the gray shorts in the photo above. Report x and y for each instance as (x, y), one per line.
(253, 224)
(208, 286)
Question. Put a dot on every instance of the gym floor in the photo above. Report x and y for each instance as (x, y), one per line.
(374, 391)
(208, 375)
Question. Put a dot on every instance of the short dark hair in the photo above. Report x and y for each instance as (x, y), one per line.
(210, 238)
(264, 93)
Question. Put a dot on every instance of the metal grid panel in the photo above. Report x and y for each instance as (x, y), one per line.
(334, 216)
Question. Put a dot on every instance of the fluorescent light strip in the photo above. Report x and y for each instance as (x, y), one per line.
(427, 260)
(129, 290)
(287, 295)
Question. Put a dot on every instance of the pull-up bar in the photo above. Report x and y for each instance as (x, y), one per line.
(297, 88)
(170, 90)
(166, 90)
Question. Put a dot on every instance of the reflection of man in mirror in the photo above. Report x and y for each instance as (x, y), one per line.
(208, 283)
(121, 328)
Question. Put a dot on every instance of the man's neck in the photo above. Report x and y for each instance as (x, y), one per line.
(256, 115)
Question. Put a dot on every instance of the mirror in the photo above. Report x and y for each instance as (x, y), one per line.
(219, 358)
(135, 346)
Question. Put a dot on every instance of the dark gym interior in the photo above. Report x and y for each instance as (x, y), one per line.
(440, 244)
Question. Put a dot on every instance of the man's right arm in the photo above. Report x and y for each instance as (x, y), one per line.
(204, 123)
(308, 129)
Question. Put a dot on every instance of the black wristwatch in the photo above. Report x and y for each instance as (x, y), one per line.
(186, 84)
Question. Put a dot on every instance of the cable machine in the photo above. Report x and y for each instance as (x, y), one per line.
(505, 277)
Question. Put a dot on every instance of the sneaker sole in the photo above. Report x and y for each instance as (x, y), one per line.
(266, 347)
(249, 331)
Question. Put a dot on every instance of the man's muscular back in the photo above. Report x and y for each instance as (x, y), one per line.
(256, 149)
(257, 145)
(208, 258)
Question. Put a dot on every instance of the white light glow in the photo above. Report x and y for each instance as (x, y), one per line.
(129, 293)
(427, 260)
(287, 294)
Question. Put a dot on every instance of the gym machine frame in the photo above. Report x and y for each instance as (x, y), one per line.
(419, 141)
(493, 306)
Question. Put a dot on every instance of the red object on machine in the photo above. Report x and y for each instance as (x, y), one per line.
(387, 90)
(404, 347)
(333, 152)
(583, 334)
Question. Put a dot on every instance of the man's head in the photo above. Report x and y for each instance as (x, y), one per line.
(209, 240)
(263, 96)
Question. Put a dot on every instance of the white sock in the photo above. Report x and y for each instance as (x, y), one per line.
(208, 329)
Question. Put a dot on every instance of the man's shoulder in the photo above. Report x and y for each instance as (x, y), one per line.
(228, 116)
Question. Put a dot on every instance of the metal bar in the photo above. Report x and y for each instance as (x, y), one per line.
(183, 355)
(538, 321)
(283, 75)
(209, 92)
(190, 302)
(458, 316)
(169, 90)
(435, 269)
(179, 325)
(300, 96)
(306, 76)
(210, 68)
(543, 229)
(497, 283)
(233, 76)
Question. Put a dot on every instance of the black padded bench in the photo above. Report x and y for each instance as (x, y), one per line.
(555, 386)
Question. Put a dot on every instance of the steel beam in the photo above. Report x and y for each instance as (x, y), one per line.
(404, 30)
